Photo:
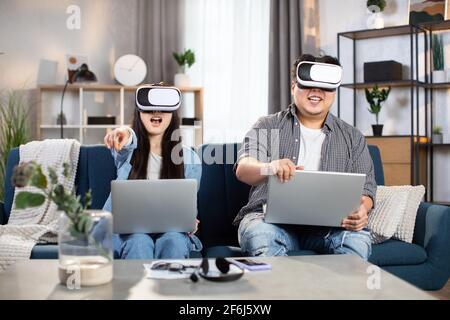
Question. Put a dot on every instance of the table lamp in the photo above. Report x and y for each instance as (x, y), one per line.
(82, 74)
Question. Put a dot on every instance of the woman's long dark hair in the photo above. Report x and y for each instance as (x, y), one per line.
(139, 160)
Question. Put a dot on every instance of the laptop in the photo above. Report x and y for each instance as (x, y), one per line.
(154, 206)
(315, 198)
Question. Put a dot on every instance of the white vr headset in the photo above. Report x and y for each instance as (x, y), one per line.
(312, 74)
(157, 98)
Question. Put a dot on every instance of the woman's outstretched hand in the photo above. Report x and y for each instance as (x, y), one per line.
(117, 138)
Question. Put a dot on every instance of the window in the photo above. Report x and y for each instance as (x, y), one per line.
(231, 42)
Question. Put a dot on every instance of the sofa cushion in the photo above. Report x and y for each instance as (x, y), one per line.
(44, 251)
(396, 253)
(388, 212)
(230, 251)
(50, 251)
(223, 251)
(294, 253)
(220, 196)
(13, 160)
(405, 230)
(99, 173)
(377, 164)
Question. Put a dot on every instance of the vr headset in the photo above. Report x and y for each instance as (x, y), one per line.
(157, 98)
(325, 76)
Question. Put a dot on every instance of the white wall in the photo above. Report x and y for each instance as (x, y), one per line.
(349, 15)
(33, 31)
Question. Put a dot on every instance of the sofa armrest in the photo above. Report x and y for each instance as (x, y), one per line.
(2, 213)
(432, 232)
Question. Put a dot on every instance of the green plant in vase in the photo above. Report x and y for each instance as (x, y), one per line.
(185, 60)
(381, 4)
(84, 236)
(438, 59)
(437, 137)
(375, 97)
(375, 7)
(31, 174)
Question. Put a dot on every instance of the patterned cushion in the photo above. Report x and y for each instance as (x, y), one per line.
(405, 230)
(387, 214)
(395, 213)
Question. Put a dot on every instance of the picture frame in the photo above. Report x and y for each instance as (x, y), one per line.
(423, 11)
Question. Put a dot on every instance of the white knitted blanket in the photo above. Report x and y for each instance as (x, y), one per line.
(26, 227)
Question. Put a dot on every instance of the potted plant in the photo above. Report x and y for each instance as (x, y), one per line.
(84, 236)
(375, 7)
(375, 97)
(185, 60)
(14, 129)
(437, 135)
(438, 59)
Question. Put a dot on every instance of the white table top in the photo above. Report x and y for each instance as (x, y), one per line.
(306, 277)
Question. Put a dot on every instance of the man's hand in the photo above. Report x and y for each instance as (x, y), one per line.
(358, 220)
(284, 169)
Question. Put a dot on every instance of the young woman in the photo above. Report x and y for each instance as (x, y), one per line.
(145, 152)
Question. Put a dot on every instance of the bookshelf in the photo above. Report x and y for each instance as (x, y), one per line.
(420, 164)
(80, 125)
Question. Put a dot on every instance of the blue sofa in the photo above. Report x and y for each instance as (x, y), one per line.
(424, 263)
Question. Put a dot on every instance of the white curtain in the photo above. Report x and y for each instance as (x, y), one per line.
(231, 42)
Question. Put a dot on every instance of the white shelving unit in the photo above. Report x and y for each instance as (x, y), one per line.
(82, 127)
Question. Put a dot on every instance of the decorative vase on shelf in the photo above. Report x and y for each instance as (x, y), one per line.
(438, 138)
(185, 59)
(438, 58)
(375, 21)
(375, 9)
(439, 76)
(447, 75)
(377, 130)
(85, 259)
(181, 80)
(61, 118)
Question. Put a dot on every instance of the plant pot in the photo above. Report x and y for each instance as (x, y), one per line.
(438, 76)
(447, 75)
(377, 130)
(437, 138)
(181, 80)
(375, 21)
(61, 117)
(85, 259)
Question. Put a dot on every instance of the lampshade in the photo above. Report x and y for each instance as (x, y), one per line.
(83, 74)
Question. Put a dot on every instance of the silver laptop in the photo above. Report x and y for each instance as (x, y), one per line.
(315, 198)
(154, 206)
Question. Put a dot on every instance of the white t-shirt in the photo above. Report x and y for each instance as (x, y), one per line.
(311, 141)
(154, 163)
(153, 166)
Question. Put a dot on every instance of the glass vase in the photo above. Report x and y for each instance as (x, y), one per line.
(86, 259)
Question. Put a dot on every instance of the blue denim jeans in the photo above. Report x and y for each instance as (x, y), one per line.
(258, 238)
(169, 245)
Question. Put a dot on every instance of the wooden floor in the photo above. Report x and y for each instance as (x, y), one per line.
(444, 293)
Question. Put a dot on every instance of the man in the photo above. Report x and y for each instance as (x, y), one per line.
(304, 136)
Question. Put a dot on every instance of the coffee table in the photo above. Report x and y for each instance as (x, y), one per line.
(306, 277)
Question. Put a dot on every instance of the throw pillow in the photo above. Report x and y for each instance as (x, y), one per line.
(387, 214)
(395, 211)
(405, 230)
